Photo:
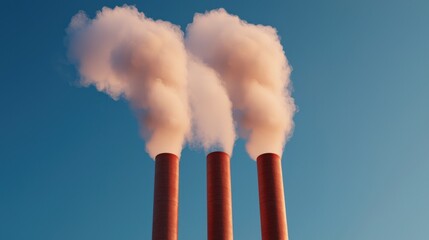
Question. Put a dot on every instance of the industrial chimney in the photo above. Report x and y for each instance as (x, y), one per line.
(271, 197)
(219, 206)
(166, 197)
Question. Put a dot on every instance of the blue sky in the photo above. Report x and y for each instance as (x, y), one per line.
(73, 166)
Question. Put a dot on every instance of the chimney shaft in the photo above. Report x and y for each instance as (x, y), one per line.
(166, 197)
(219, 206)
(271, 197)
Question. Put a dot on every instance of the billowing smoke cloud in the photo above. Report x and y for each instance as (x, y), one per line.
(252, 64)
(125, 54)
(211, 108)
(231, 64)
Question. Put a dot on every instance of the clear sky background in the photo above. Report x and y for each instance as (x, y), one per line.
(73, 166)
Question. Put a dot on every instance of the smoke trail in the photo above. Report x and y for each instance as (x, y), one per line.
(125, 54)
(211, 108)
(251, 61)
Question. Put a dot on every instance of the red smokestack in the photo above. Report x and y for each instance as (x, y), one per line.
(219, 206)
(166, 197)
(271, 197)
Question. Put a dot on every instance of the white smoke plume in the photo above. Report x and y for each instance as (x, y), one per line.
(211, 108)
(253, 66)
(125, 54)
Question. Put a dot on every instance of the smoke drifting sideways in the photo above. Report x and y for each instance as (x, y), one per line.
(253, 67)
(213, 125)
(125, 54)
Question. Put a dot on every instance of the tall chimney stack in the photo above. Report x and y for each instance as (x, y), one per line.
(219, 206)
(271, 197)
(166, 197)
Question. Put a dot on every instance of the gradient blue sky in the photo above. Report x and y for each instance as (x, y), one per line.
(73, 167)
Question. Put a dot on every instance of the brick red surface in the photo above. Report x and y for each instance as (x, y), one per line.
(219, 206)
(166, 197)
(271, 197)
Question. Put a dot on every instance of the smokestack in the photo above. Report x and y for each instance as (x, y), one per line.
(219, 206)
(271, 197)
(166, 197)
